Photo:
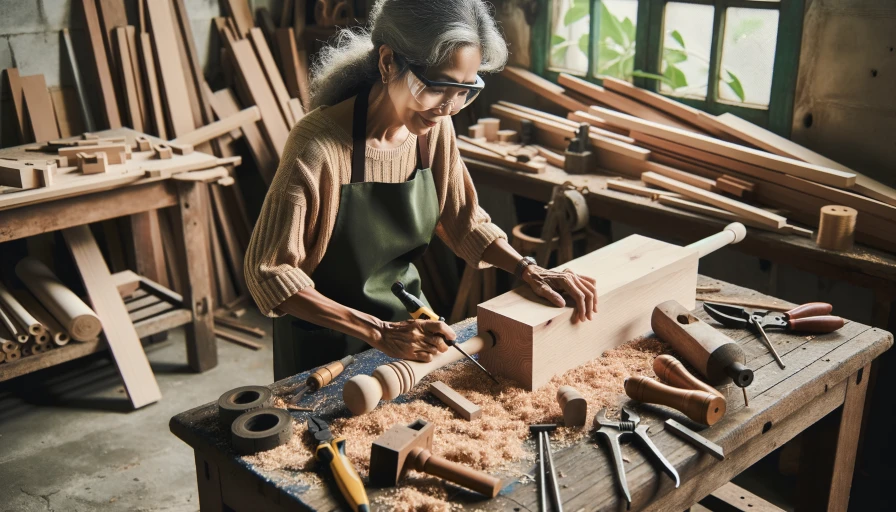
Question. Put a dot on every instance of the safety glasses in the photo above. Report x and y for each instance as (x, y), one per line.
(445, 96)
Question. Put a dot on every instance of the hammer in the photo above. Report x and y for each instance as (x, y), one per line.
(402, 448)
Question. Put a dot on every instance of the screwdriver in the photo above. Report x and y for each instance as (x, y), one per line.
(418, 309)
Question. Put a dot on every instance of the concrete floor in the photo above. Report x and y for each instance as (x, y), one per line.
(69, 440)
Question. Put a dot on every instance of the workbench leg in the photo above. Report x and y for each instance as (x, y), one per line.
(208, 479)
(192, 255)
(828, 453)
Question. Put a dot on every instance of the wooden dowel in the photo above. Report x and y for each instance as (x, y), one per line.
(53, 329)
(18, 313)
(77, 318)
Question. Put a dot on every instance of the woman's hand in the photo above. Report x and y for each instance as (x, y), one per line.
(549, 284)
(417, 340)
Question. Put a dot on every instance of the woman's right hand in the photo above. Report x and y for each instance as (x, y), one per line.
(417, 340)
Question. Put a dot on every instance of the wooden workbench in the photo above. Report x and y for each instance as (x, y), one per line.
(76, 200)
(822, 374)
(864, 267)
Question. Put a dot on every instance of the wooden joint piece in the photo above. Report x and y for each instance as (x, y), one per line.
(463, 407)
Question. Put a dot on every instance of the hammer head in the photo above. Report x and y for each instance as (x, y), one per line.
(390, 451)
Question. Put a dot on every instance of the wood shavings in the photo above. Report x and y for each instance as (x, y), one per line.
(492, 443)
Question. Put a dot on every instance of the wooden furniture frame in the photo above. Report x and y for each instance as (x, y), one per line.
(191, 249)
(822, 375)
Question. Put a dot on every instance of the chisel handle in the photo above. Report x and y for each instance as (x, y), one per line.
(347, 478)
(423, 460)
(700, 406)
(810, 309)
(672, 372)
(325, 374)
(816, 324)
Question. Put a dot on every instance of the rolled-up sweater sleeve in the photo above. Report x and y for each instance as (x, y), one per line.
(463, 225)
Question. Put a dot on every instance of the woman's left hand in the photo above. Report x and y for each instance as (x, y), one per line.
(550, 284)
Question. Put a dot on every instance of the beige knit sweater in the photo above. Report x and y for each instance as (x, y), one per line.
(299, 212)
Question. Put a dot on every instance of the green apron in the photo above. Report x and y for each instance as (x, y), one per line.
(380, 228)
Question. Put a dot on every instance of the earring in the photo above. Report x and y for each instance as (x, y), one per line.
(385, 80)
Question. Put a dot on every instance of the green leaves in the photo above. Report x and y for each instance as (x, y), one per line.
(677, 37)
(734, 84)
(675, 77)
(577, 11)
(583, 44)
(611, 28)
(745, 28)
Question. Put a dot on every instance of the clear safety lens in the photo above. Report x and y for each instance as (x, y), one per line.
(452, 99)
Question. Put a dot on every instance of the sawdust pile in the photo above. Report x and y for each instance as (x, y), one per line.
(492, 442)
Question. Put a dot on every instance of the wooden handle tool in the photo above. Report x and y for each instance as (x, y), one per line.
(325, 374)
(421, 459)
(700, 406)
(672, 372)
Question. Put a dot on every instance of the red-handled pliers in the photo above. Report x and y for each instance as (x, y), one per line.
(811, 317)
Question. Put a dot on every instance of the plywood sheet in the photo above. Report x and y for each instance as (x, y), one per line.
(39, 108)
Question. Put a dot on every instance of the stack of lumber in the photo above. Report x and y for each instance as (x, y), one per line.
(719, 166)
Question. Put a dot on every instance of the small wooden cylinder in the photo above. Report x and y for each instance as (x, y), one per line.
(573, 405)
(507, 136)
(672, 372)
(836, 228)
(490, 126)
(76, 317)
(699, 406)
(13, 356)
(476, 131)
(15, 308)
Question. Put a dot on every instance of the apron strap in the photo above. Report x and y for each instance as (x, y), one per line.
(359, 138)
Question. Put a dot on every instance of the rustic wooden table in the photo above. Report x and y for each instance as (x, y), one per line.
(68, 204)
(825, 376)
(865, 267)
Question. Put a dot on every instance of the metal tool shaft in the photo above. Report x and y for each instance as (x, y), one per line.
(768, 343)
(555, 489)
(542, 488)
(468, 356)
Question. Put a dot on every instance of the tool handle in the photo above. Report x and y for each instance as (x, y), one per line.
(810, 309)
(732, 234)
(700, 406)
(672, 372)
(816, 324)
(347, 478)
(422, 460)
(325, 374)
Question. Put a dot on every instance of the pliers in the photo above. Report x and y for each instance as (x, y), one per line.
(811, 317)
(332, 451)
(629, 425)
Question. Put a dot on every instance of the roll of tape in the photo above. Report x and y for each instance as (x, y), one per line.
(239, 401)
(261, 430)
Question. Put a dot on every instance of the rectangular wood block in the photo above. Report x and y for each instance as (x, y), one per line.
(457, 402)
(536, 341)
(115, 153)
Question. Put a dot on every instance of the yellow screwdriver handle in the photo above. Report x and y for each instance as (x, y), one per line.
(425, 311)
(347, 478)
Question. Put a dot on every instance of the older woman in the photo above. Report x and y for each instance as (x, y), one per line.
(367, 178)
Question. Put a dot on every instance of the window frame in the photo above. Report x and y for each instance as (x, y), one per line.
(778, 117)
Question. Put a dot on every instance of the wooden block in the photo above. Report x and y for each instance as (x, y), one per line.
(133, 108)
(18, 175)
(152, 87)
(163, 151)
(92, 163)
(119, 332)
(180, 148)
(476, 131)
(115, 153)
(490, 126)
(171, 71)
(463, 407)
(508, 136)
(39, 108)
(784, 165)
(275, 80)
(104, 75)
(259, 93)
(536, 341)
(555, 159)
(573, 405)
(143, 143)
(755, 214)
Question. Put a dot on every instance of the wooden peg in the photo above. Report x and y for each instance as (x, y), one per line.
(700, 406)
(490, 126)
(573, 405)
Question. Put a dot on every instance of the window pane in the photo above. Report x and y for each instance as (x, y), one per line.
(748, 55)
(569, 36)
(616, 46)
(687, 30)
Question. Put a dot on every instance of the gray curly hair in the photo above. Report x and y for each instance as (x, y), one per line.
(421, 32)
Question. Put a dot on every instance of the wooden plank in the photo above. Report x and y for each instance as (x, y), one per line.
(115, 153)
(239, 340)
(167, 56)
(675, 174)
(774, 143)
(542, 87)
(743, 209)
(242, 16)
(195, 73)
(718, 213)
(86, 114)
(104, 74)
(149, 255)
(619, 102)
(68, 117)
(142, 98)
(259, 93)
(39, 108)
(18, 102)
(457, 402)
(218, 128)
(811, 172)
(119, 332)
(541, 340)
(631, 188)
(113, 15)
(162, 322)
(148, 63)
(235, 251)
(294, 65)
(126, 74)
(468, 150)
(272, 73)
(598, 126)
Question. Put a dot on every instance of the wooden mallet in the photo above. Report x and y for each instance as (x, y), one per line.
(402, 448)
